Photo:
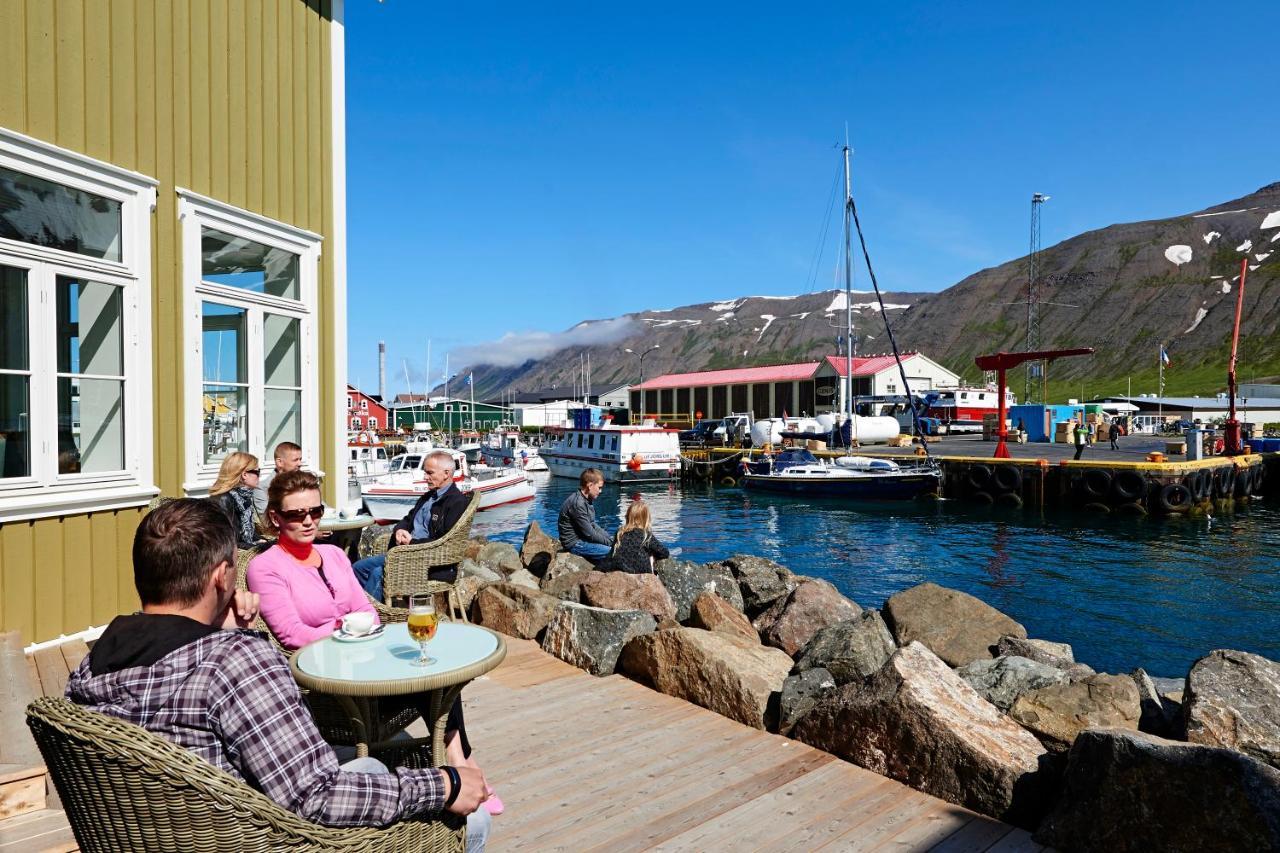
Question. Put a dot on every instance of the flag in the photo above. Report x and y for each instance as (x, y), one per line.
(470, 376)
(1164, 357)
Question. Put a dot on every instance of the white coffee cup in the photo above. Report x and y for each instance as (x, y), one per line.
(358, 623)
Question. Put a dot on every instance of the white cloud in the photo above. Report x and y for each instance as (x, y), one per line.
(515, 348)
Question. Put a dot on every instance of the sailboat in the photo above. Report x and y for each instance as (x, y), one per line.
(851, 477)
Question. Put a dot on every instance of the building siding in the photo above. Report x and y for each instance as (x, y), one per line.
(229, 98)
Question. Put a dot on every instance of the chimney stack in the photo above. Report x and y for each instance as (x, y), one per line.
(382, 370)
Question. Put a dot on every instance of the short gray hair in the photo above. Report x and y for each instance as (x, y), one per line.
(444, 458)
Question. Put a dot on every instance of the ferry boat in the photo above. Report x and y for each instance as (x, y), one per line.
(624, 454)
(506, 446)
(961, 409)
(391, 496)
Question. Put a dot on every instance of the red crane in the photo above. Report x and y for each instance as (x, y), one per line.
(1002, 361)
(1231, 441)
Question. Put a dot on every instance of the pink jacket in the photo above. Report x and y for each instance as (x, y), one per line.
(296, 604)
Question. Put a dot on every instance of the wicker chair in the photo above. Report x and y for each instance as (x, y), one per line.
(126, 789)
(408, 567)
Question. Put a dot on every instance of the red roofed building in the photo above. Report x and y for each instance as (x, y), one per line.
(771, 391)
(365, 412)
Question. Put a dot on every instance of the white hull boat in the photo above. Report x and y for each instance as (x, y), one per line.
(391, 496)
(624, 454)
(506, 448)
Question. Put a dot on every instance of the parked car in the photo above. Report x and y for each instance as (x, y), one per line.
(709, 433)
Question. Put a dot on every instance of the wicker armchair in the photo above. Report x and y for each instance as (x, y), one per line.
(408, 567)
(126, 789)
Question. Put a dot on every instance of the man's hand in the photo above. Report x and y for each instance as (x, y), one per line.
(403, 537)
(242, 610)
(473, 793)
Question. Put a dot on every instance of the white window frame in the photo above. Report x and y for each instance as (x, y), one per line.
(46, 492)
(373, 422)
(356, 422)
(195, 213)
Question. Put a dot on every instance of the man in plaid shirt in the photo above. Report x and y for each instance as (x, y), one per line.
(185, 669)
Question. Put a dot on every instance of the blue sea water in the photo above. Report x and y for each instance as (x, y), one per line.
(1124, 592)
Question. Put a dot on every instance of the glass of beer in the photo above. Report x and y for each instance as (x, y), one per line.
(422, 625)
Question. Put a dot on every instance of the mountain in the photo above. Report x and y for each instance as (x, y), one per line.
(1122, 290)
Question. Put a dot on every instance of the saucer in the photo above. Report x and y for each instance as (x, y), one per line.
(343, 637)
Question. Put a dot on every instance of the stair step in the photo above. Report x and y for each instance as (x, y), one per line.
(22, 790)
(44, 831)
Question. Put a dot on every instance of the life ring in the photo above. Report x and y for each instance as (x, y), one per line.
(1100, 508)
(1129, 485)
(982, 498)
(634, 462)
(507, 460)
(1008, 478)
(1096, 482)
(1174, 497)
(1012, 500)
(979, 476)
(1131, 508)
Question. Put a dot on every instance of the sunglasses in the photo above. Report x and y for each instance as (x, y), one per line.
(254, 471)
(297, 516)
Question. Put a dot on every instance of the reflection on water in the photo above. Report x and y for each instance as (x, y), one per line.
(1156, 593)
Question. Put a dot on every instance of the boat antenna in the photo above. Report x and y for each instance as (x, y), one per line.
(893, 342)
(848, 292)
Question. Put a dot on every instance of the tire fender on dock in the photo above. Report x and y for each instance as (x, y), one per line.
(1096, 482)
(1007, 478)
(1129, 485)
(982, 498)
(1174, 497)
(1100, 508)
(1012, 500)
(978, 476)
(1131, 508)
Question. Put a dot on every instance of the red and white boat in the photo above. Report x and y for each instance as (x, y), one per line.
(391, 496)
(962, 409)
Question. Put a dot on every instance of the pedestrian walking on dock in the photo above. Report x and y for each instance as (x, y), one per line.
(1082, 436)
(1115, 434)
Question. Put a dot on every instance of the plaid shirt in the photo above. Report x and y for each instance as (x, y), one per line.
(231, 700)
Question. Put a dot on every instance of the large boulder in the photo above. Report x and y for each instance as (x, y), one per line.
(850, 650)
(762, 581)
(1232, 700)
(954, 625)
(712, 613)
(1002, 680)
(567, 586)
(565, 563)
(502, 556)
(1057, 714)
(918, 722)
(623, 591)
(799, 694)
(523, 577)
(470, 568)
(514, 610)
(1159, 716)
(474, 545)
(729, 675)
(1059, 655)
(685, 580)
(538, 549)
(467, 586)
(1126, 792)
(793, 620)
(592, 638)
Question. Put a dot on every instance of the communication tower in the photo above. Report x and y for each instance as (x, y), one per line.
(1035, 369)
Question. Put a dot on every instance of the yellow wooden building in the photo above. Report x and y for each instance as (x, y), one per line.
(172, 273)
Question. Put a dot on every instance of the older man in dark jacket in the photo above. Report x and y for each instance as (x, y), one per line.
(579, 533)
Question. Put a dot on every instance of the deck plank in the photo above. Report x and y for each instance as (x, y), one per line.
(45, 831)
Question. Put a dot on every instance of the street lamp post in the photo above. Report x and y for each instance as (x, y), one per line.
(642, 354)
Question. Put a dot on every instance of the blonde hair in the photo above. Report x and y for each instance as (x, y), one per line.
(232, 472)
(637, 519)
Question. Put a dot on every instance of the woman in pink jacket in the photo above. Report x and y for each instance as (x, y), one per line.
(306, 589)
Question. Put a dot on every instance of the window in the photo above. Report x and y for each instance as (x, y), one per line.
(355, 422)
(351, 404)
(75, 325)
(373, 423)
(254, 369)
(364, 405)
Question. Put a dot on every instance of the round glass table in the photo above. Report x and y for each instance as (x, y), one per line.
(358, 673)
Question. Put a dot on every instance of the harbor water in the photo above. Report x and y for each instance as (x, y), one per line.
(1124, 592)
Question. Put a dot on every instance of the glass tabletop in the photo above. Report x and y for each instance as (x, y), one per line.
(337, 522)
(387, 661)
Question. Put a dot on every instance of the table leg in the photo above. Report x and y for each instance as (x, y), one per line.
(441, 702)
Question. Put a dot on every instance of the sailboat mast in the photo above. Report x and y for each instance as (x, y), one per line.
(848, 289)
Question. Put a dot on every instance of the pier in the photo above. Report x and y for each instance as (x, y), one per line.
(1045, 475)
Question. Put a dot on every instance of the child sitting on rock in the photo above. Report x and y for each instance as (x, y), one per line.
(635, 549)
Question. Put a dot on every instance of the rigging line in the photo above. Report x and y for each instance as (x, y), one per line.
(893, 341)
(811, 280)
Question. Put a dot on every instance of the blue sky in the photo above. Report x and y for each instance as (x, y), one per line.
(517, 168)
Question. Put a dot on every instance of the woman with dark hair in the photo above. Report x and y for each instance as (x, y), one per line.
(233, 491)
(306, 588)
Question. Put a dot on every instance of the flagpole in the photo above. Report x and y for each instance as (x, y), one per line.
(1160, 390)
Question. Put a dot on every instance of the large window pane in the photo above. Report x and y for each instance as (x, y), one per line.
(89, 328)
(239, 262)
(226, 421)
(13, 319)
(41, 212)
(90, 425)
(282, 351)
(223, 342)
(283, 411)
(15, 426)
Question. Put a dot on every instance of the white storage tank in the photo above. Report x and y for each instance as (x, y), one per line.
(767, 432)
(874, 430)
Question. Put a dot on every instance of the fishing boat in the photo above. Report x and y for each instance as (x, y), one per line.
(390, 496)
(506, 446)
(367, 457)
(962, 409)
(799, 472)
(624, 454)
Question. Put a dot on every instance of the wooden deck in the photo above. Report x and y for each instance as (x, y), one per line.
(587, 763)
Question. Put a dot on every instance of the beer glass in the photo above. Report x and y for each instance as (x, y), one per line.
(422, 625)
